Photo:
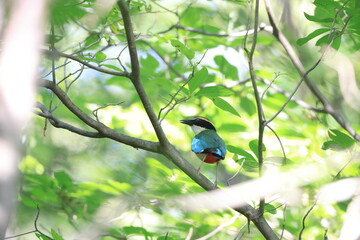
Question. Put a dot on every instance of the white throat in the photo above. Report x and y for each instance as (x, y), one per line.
(197, 129)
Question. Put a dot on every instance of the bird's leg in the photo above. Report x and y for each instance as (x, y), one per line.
(216, 174)
(202, 161)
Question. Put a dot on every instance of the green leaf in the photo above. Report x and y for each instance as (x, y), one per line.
(63, 179)
(149, 65)
(248, 106)
(87, 59)
(136, 230)
(91, 39)
(31, 165)
(339, 141)
(42, 237)
(225, 106)
(214, 91)
(226, 68)
(270, 208)
(336, 43)
(199, 78)
(112, 67)
(240, 151)
(189, 54)
(253, 144)
(317, 19)
(121, 187)
(55, 235)
(100, 56)
(232, 127)
(249, 163)
(317, 32)
(47, 195)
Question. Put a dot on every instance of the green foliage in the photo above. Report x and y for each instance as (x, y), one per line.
(226, 68)
(55, 235)
(224, 105)
(182, 49)
(339, 20)
(128, 193)
(200, 77)
(214, 91)
(339, 141)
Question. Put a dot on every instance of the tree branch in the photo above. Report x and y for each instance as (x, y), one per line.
(260, 111)
(45, 113)
(300, 68)
(99, 69)
(235, 34)
(100, 127)
(135, 73)
(286, 94)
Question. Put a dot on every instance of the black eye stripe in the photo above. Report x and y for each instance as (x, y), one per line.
(201, 123)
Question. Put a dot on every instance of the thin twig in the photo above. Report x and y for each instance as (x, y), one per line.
(99, 69)
(220, 227)
(304, 218)
(95, 111)
(281, 145)
(45, 113)
(118, 57)
(260, 112)
(52, 47)
(283, 224)
(237, 172)
(238, 236)
(170, 66)
(287, 95)
(21, 234)
(269, 85)
(346, 164)
(35, 222)
(56, 68)
(178, 91)
(235, 34)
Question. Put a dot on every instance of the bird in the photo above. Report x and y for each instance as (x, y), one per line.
(207, 144)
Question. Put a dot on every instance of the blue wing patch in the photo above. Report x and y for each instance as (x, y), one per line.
(208, 141)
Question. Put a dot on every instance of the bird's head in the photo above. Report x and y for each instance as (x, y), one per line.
(199, 124)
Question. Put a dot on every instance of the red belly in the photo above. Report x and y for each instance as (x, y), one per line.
(210, 158)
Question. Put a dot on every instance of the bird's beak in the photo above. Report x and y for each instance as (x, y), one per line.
(188, 122)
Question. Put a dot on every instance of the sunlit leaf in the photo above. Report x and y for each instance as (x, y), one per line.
(226, 68)
(317, 32)
(112, 67)
(248, 106)
(214, 91)
(55, 235)
(199, 78)
(63, 179)
(225, 106)
(188, 53)
(232, 127)
(339, 140)
(269, 208)
(316, 19)
(253, 144)
(100, 56)
(240, 151)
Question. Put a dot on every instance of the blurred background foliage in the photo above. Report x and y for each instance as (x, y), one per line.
(100, 189)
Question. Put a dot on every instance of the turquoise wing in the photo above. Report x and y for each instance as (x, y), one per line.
(209, 141)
